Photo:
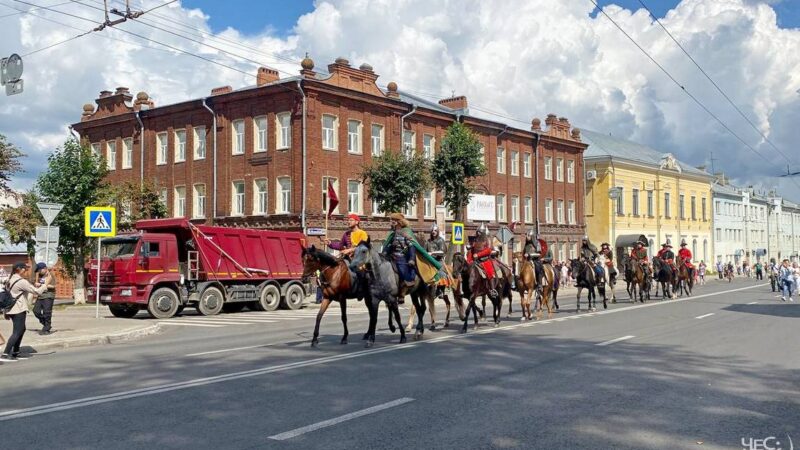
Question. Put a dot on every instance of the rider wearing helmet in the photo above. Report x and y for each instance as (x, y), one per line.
(537, 252)
(480, 252)
(588, 250)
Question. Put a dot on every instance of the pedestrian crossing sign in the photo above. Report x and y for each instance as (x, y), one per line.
(458, 234)
(100, 221)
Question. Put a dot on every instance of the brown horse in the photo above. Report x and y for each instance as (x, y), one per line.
(547, 292)
(338, 284)
(639, 280)
(441, 292)
(685, 280)
(526, 286)
(473, 284)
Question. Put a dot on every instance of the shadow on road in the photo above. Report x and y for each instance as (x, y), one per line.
(778, 309)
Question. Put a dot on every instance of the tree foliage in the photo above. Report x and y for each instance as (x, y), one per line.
(9, 162)
(21, 222)
(134, 202)
(76, 178)
(395, 180)
(456, 165)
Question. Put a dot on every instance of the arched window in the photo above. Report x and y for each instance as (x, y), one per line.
(694, 248)
(650, 248)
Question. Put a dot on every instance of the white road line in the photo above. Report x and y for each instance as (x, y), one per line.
(704, 316)
(230, 350)
(752, 303)
(158, 389)
(337, 420)
(186, 324)
(612, 341)
(211, 321)
(230, 319)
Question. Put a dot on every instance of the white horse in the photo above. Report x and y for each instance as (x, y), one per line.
(608, 286)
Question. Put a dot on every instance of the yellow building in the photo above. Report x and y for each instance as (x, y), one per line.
(657, 196)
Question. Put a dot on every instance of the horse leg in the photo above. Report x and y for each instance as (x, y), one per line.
(510, 299)
(470, 307)
(343, 305)
(395, 309)
(447, 304)
(420, 307)
(555, 298)
(578, 303)
(497, 309)
(411, 314)
(322, 308)
(483, 308)
(432, 308)
(373, 323)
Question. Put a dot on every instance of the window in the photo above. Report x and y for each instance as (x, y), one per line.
(483, 155)
(666, 205)
(681, 204)
(111, 155)
(237, 198)
(199, 142)
(328, 132)
(571, 212)
(180, 145)
(377, 139)
(570, 171)
(514, 208)
(354, 136)
(354, 196)
(199, 206)
(162, 197)
(635, 201)
(548, 210)
(560, 211)
(335, 186)
(284, 195)
(501, 160)
(528, 210)
(693, 206)
(573, 251)
(694, 247)
(428, 201)
(621, 202)
(376, 210)
(260, 134)
(650, 203)
(179, 208)
(237, 133)
(96, 149)
(427, 146)
(127, 153)
(501, 208)
(260, 196)
(705, 249)
(408, 143)
(284, 133)
(161, 142)
(515, 164)
(411, 211)
(560, 169)
(719, 234)
(526, 165)
(548, 168)
(151, 249)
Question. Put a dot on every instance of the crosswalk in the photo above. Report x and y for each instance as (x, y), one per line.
(248, 318)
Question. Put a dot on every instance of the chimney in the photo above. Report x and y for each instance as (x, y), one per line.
(536, 124)
(459, 102)
(221, 90)
(111, 104)
(307, 65)
(265, 75)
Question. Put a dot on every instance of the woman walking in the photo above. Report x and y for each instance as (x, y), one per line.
(701, 272)
(19, 289)
(787, 280)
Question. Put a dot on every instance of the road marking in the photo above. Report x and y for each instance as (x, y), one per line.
(211, 321)
(187, 324)
(228, 320)
(704, 316)
(623, 338)
(230, 350)
(752, 303)
(158, 389)
(337, 420)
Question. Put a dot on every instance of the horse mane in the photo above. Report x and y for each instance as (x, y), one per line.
(324, 258)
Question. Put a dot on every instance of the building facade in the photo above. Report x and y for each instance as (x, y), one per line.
(658, 196)
(263, 156)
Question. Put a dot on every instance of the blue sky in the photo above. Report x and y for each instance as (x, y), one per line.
(281, 15)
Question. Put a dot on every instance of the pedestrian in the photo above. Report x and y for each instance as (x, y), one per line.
(43, 306)
(787, 280)
(565, 274)
(719, 269)
(319, 287)
(701, 272)
(759, 270)
(19, 288)
(796, 273)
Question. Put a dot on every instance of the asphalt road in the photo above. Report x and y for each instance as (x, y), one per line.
(705, 372)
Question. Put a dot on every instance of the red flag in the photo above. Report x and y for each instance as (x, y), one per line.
(333, 200)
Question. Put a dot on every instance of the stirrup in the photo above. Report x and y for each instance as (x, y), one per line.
(494, 293)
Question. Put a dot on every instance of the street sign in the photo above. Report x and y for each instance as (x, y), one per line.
(49, 211)
(11, 73)
(100, 221)
(481, 208)
(315, 232)
(47, 234)
(441, 214)
(458, 234)
(47, 253)
(505, 235)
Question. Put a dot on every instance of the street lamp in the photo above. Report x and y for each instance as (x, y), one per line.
(614, 194)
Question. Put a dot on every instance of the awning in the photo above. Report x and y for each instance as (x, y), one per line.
(629, 240)
(761, 252)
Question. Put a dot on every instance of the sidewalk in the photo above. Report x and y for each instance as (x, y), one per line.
(76, 326)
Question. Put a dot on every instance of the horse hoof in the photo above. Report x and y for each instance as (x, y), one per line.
(392, 328)
(433, 327)
(403, 340)
(366, 336)
(369, 344)
(408, 329)
(463, 330)
(343, 341)
(613, 300)
(522, 319)
(496, 324)
(447, 325)
(314, 343)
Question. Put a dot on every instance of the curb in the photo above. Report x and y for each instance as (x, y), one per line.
(98, 339)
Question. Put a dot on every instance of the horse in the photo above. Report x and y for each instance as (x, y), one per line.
(505, 293)
(606, 283)
(441, 292)
(384, 285)
(550, 286)
(526, 285)
(685, 280)
(338, 284)
(639, 279)
(584, 279)
(473, 284)
(627, 271)
(662, 274)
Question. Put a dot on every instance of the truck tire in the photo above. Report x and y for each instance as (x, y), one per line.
(233, 307)
(294, 297)
(124, 310)
(163, 303)
(270, 298)
(211, 301)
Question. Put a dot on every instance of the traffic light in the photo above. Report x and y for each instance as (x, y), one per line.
(11, 73)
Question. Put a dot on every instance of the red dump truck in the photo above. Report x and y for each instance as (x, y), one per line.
(168, 264)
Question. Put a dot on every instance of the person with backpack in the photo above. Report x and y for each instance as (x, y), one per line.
(43, 306)
(18, 288)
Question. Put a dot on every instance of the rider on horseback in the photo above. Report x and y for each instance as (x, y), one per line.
(605, 250)
(666, 255)
(639, 254)
(534, 248)
(350, 239)
(436, 247)
(480, 252)
(588, 250)
(399, 246)
(685, 255)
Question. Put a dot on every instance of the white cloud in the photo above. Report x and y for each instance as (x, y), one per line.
(524, 58)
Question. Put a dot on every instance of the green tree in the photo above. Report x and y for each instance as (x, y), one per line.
(76, 178)
(21, 222)
(134, 202)
(395, 180)
(456, 166)
(9, 162)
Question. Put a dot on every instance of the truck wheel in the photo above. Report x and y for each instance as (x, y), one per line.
(124, 311)
(270, 298)
(233, 307)
(163, 303)
(211, 301)
(294, 297)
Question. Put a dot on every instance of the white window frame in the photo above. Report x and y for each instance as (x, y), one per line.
(548, 167)
(163, 196)
(514, 208)
(127, 153)
(571, 212)
(377, 142)
(260, 198)
(560, 211)
(409, 140)
(199, 142)
(199, 201)
(528, 210)
(111, 155)
(526, 164)
(283, 203)
(560, 170)
(162, 150)
(237, 137)
(411, 211)
(283, 131)
(570, 171)
(501, 160)
(96, 149)
(500, 200)
(260, 133)
(514, 158)
(548, 210)
(180, 145)
(179, 202)
(325, 181)
(375, 210)
(237, 198)
(329, 138)
(428, 144)
(483, 155)
(429, 204)
(354, 139)
(354, 198)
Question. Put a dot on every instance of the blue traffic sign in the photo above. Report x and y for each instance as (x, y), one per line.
(100, 221)
(458, 234)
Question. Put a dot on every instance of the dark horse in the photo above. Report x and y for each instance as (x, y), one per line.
(383, 284)
(338, 284)
(639, 280)
(473, 284)
(585, 279)
(685, 280)
(662, 274)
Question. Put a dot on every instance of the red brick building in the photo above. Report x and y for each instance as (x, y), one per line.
(262, 156)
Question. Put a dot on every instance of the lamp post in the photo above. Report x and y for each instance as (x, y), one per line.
(614, 194)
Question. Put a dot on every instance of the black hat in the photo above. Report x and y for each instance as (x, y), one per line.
(40, 266)
(18, 266)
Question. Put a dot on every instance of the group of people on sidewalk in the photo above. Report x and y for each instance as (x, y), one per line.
(23, 292)
(788, 276)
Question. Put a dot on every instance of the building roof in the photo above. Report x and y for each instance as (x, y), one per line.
(605, 146)
(7, 248)
(725, 189)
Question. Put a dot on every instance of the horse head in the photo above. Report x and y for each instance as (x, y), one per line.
(310, 262)
(362, 255)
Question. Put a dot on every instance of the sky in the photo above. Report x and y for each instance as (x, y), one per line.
(519, 58)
